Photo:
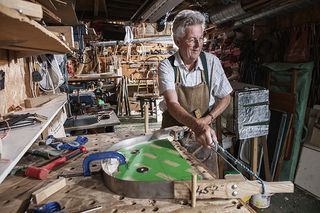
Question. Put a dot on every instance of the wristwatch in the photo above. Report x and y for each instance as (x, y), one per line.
(212, 118)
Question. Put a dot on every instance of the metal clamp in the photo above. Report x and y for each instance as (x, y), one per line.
(100, 156)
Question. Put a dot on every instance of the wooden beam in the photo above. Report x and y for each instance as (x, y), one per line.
(45, 192)
(30, 34)
(50, 15)
(254, 156)
(38, 101)
(105, 8)
(24, 7)
(67, 31)
(221, 188)
(96, 8)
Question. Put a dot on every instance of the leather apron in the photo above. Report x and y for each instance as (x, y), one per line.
(190, 98)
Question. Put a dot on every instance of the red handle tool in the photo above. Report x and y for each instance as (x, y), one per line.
(42, 172)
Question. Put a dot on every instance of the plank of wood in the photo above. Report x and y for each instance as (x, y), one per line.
(48, 14)
(194, 191)
(32, 37)
(46, 191)
(221, 188)
(38, 101)
(67, 31)
(146, 118)
(266, 159)
(24, 7)
(66, 12)
(254, 156)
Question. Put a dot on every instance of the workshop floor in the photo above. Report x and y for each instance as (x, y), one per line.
(299, 201)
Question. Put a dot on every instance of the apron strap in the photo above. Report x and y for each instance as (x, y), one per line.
(205, 67)
(204, 64)
(171, 60)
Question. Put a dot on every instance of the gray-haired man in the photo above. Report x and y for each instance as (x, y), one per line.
(192, 80)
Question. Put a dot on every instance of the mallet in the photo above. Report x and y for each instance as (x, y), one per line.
(42, 172)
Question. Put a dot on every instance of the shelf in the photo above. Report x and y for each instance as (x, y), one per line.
(93, 77)
(25, 36)
(19, 140)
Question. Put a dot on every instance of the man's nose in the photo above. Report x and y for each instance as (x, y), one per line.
(196, 43)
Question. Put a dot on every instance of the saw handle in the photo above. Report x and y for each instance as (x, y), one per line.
(65, 158)
(100, 156)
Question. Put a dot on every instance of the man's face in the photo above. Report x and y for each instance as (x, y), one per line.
(191, 44)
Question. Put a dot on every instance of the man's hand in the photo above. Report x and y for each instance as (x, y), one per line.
(205, 134)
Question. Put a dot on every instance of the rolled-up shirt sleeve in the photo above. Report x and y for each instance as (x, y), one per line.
(165, 76)
(220, 83)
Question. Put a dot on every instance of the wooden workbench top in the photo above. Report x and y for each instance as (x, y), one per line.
(86, 192)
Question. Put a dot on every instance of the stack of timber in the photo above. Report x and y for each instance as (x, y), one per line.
(123, 106)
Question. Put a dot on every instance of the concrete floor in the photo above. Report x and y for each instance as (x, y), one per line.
(298, 202)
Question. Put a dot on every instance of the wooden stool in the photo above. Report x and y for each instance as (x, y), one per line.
(147, 98)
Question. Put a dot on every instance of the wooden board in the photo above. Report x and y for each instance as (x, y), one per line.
(33, 38)
(24, 7)
(85, 192)
(15, 90)
(67, 31)
(220, 188)
(92, 77)
(48, 190)
(35, 102)
(63, 9)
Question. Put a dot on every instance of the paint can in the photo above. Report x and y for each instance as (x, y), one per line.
(261, 201)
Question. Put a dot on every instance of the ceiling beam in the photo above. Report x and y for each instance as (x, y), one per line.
(105, 8)
(127, 2)
(139, 10)
(124, 8)
(96, 8)
(121, 16)
(159, 9)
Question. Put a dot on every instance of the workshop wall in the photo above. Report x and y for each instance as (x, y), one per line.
(14, 91)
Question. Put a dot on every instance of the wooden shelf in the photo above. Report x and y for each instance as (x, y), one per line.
(19, 140)
(25, 36)
(92, 77)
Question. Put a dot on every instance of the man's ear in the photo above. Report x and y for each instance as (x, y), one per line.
(177, 42)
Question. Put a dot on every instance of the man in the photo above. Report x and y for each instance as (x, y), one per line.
(192, 80)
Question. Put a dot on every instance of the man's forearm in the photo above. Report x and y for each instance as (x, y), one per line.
(220, 106)
(181, 115)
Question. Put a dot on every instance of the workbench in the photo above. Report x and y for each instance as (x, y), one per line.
(103, 124)
(86, 192)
